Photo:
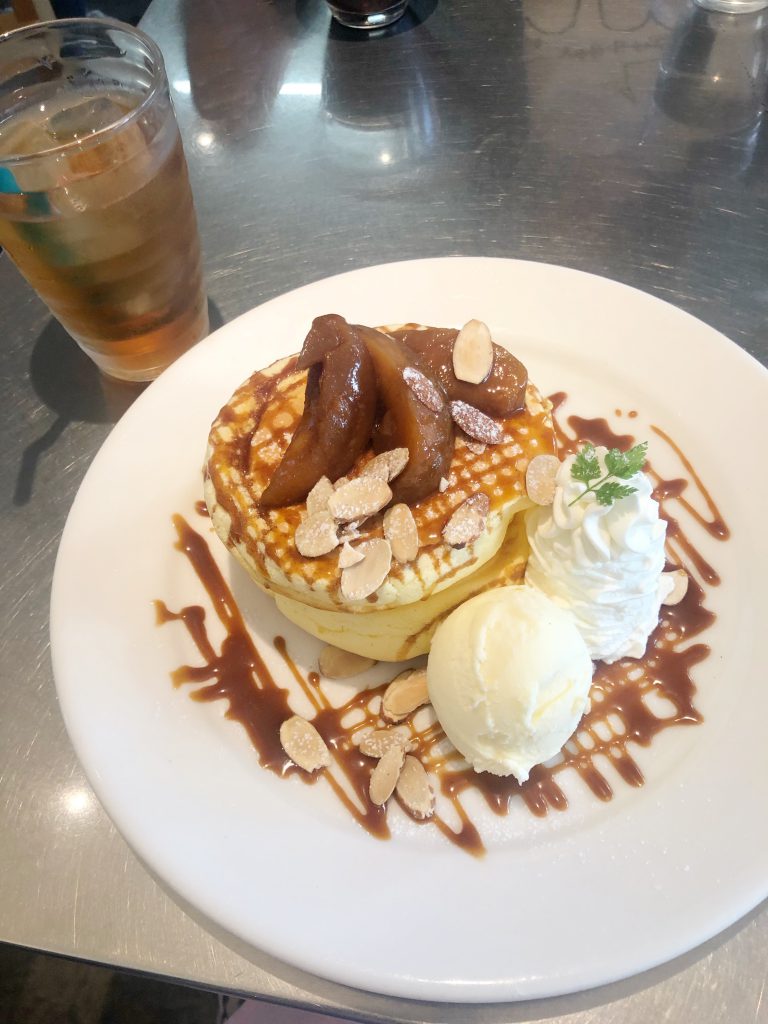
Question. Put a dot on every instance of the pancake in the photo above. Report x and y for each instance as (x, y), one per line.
(246, 444)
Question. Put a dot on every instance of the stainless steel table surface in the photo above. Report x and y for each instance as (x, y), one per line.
(621, 137)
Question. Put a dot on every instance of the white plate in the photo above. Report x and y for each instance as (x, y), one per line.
(577, 899)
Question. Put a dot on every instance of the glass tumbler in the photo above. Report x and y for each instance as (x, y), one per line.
(368, 14)
(95, 204)
(733, 6)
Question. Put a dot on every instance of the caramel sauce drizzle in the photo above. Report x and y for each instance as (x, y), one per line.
(633, 700)
(239, 675)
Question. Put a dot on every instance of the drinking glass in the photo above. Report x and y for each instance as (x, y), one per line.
(733, 6)
(368, 14)
(95, 204)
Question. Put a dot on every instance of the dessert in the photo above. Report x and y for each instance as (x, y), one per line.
(360, 487)
(448, 476)
(509, 678)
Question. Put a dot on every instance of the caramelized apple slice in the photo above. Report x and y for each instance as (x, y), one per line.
(406, 421)
(339, 410)
(326, 333)
(501, 394)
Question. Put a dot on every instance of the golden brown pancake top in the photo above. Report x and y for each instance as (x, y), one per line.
(253, 430)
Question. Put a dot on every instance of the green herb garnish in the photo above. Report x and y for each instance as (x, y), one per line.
(620, 466)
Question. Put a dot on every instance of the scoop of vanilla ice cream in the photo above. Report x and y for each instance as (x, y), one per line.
(509, 678)
(603, 563)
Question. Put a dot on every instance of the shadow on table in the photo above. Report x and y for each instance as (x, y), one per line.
(69, 384)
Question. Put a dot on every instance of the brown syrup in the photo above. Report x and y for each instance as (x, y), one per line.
(621, 710)
(238, 674)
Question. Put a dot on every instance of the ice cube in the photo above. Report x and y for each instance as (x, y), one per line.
(23, 137)
(83, 119)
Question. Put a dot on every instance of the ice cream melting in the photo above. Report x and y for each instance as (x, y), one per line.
(603, 563)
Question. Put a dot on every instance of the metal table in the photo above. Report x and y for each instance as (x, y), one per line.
(622, 137)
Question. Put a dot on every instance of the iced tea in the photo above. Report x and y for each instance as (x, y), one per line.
(95, 205)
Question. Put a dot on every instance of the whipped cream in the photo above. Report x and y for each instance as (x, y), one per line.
(603, 563)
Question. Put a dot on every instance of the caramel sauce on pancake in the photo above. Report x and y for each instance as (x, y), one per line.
(252, 433)
(625, 712)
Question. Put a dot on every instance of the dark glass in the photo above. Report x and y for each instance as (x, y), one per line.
(367, 14)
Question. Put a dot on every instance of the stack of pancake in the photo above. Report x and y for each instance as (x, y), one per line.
(248, 442)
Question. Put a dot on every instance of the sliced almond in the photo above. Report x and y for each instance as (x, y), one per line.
(414, 789)
(443, 485)
(679, 579)
(303, 744)
(317, 499)
(387, 465)
(359, 498)
(337, 664)
(476, 447)
(347, 534)
(476, 423)
(404, 694)
(361, 580)
(316, 535)
(378, 742)
(468, 521)
(540, 478)
(385, 775)
(340, 482)
(424, 389)
(349, 555)
(402, 533)
(473, 352)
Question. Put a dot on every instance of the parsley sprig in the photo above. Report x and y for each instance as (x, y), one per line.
(606, 486)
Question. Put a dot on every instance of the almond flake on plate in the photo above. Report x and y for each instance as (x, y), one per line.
(363, 579)
(679, 579)
(402, 533)
(303, 744)
(476, 423)
(337, 664)
(316, 535)
(387, 465)
(414, 789)
(385, 775)
(540, 478)
(359, 498)
(473, 352)
(377, 742)
(426, 392)
(468, 521)
(407, 692)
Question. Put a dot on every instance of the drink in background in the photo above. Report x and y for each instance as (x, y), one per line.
(367, 14)
(95, 205)
(733, 6)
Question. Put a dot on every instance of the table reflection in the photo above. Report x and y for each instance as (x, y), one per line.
(235, 71)
(388, 131)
